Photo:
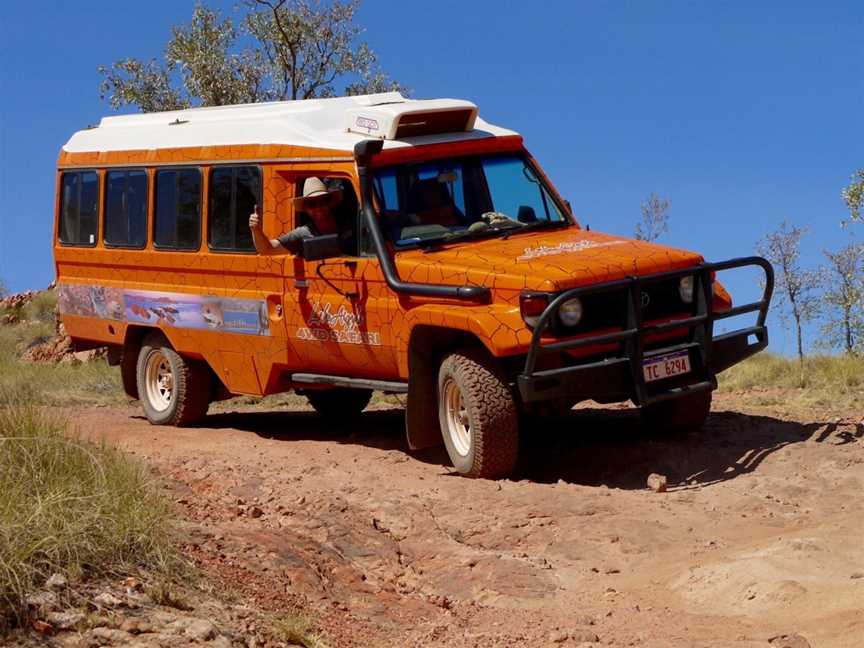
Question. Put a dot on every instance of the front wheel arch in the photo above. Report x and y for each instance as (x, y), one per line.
(426, 349)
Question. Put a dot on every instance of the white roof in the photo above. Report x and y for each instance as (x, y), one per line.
(318, 123)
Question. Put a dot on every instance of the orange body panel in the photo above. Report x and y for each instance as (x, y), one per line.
(305, 323)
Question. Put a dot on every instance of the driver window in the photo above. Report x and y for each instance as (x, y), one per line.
(345, 211)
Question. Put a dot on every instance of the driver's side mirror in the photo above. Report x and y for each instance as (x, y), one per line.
(317, 248)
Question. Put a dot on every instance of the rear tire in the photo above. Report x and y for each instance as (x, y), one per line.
(478, 416)
(339, 403)
(172, 389)
(680, 415)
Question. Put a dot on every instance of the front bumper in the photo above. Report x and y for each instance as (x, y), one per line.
(619, 374)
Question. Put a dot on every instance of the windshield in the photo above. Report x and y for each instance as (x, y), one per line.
(440, 200)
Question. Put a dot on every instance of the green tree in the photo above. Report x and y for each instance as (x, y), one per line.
(842, 299)
(308, 48)
(795, 286)
(283, 49)
(655, 218)
(853, 196)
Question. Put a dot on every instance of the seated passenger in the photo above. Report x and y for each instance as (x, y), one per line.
(319, 202)
(431, 204)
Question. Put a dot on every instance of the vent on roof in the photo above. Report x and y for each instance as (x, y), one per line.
(410, 119)
(449, 121)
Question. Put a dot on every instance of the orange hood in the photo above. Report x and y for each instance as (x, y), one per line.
(552, 260)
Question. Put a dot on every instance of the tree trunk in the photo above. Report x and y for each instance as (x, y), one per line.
(847, 324)
(800, 345)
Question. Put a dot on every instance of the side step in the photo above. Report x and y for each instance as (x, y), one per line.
(300, 379)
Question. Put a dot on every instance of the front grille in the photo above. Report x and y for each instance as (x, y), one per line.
(609, 310)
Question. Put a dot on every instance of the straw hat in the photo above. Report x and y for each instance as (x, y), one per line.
(316, 192)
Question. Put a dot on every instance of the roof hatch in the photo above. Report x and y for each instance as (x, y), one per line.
(399, 120)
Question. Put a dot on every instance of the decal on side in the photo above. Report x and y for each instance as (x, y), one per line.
(342, 327)
(181, 310)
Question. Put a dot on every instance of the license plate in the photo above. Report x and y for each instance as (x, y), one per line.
(666, 366)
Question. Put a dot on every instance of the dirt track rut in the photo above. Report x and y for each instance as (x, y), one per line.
(758, 536)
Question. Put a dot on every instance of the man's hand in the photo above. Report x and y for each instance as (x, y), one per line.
(255, 219)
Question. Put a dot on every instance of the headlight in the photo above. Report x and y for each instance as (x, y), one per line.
(685, 289)
(571, 312)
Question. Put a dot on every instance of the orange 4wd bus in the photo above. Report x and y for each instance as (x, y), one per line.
(338, 246)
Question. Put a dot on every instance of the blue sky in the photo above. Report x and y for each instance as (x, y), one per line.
(741, 113)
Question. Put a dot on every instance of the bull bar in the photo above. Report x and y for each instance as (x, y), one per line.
(621, 374)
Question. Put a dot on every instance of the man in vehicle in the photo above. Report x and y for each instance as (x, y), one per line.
(318, 202)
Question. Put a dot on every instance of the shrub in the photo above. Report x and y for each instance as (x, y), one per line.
(71, 507)
(42, 307)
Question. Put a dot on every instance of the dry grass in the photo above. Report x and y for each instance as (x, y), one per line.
(52, 384)
(836, 381)
(71, 507)
(296, 629)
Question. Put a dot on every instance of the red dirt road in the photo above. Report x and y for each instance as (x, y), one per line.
(759, 535)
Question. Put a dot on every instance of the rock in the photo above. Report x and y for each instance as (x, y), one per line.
(201, 630)
(856, 575)
(198, 629)
(584, 636)
(255, 512)
(789, 641)
(42, 627)
(133, 584)
(657, 483)
(107, 599)
(584, 620)
(65, 620)
(42, 601)
(56, 582)
(111, 635)
(556, 636)
(132, 626)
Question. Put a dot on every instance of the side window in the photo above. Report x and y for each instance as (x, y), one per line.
(126, 208)
(345, 211)
(177, 222)
(234, 192)
(79, 197)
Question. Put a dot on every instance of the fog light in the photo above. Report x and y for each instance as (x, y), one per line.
(571, 312)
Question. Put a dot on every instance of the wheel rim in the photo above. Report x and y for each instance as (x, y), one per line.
(159, 381)
(456, 415)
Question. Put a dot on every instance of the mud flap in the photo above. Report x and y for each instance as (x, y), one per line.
(421, 411)
(128, 371)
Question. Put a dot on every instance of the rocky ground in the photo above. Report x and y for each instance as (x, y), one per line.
(756, 540)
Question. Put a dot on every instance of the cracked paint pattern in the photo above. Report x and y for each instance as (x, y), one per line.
(295, 294)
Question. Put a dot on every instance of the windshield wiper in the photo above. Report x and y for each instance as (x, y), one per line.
(536, 225)
(507, 231)
(425, 244)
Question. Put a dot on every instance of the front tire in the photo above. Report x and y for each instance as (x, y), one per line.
(478, 416)
(677, 416)
(172, 389)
